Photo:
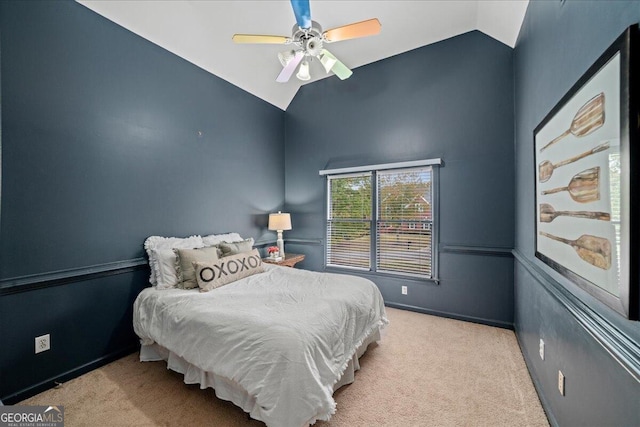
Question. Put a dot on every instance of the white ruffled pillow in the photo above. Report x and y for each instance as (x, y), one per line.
(162, 258)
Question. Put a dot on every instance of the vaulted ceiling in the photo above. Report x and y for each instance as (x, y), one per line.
(200, 32)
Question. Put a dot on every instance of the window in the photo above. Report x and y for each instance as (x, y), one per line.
(382, 220)
(349, 221)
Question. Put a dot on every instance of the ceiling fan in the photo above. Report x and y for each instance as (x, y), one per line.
(308, 41)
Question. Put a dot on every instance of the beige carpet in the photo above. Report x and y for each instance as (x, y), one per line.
(426, 371)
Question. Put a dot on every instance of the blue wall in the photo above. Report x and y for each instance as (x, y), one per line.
(107, 139)
(101, 148)
(452, 100)
(557, 44)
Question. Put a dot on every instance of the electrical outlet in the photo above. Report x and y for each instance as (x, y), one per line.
(404, 290)
(43, 343)
(561, 382)
(541, 349)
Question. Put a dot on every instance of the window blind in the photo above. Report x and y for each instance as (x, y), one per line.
(404, 221)
(349, 220)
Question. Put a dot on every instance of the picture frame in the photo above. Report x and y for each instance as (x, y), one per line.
(586, 171)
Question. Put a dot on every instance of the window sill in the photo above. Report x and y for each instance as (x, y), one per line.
(369, 273)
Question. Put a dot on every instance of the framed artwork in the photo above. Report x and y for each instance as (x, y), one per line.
(586, 174)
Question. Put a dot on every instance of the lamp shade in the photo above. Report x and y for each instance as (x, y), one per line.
(303, 71)
(327, 62)
(279, 221)
(286, 57)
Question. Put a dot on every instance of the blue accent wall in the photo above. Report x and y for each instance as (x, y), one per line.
(558, 42)
(107, 139)
(451, 100)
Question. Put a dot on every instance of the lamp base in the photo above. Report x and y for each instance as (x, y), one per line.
(280, 243)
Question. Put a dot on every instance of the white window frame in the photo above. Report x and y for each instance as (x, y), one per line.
(328, 220)
(357, 171)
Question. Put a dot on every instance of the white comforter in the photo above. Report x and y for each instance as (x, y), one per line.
(285, 335)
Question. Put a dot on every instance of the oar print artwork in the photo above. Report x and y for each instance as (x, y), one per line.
(548, 214)
(594, 250)
(546, 168)
(583, 187)
(588, 118)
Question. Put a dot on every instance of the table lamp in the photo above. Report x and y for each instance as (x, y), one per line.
(279, 222)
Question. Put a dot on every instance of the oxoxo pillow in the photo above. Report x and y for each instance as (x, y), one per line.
(227, 270)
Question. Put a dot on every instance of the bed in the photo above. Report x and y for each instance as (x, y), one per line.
(276, 344)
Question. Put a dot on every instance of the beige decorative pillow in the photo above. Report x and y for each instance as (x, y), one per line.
(228, 269)
(184, 264)
(235, 247)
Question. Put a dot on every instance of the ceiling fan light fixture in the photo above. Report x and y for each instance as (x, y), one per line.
(327, 62)
(303, 72)
(308, 39)
(286, 57)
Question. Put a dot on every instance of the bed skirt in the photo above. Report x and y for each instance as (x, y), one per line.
(227, 389)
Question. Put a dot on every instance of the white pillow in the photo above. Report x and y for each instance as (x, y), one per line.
(214, 239)
(156, 247)
(166, 274)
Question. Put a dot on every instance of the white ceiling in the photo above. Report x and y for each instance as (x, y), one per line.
(200, 32)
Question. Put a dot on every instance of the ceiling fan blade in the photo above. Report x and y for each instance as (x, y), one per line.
(303, 13)
(257, 38)
(369, 27)
(288, 70)
(339, 69)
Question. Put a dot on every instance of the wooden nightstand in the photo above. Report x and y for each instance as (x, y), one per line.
(290, 260)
